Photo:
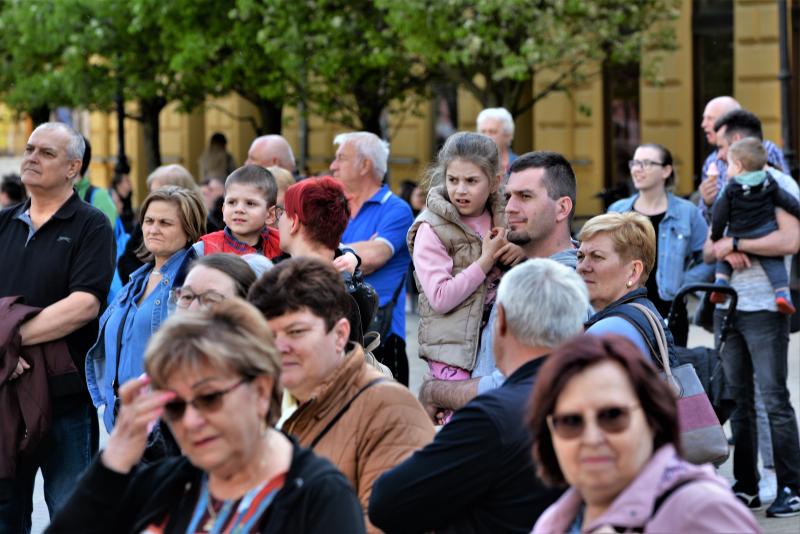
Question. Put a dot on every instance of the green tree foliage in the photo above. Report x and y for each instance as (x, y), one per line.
(494, 48)
(81, 53)
(339, 57)
(43, 63)
(344, 60)
(216, 49)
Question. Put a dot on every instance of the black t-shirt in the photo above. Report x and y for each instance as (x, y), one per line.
(72, 251)
(652, 288)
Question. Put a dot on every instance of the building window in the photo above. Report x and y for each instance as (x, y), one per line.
(622, 130)
(712, 37)
(445, 113)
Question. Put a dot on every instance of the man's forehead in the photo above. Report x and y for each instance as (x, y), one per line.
(528, 179)
(489, 123)
(346, 148)
(49, 139)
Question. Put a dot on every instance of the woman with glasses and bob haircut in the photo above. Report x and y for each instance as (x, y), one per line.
(212, 279)
(606, 424)
(213, 376)
(679, 225)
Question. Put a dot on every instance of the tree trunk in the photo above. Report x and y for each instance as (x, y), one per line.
(40, 115)
(370, 117)
(151, 109)
(271, 113)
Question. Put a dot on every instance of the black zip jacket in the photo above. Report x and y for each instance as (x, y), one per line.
(315, 498)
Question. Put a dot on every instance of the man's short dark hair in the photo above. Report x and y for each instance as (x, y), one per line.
(301, 283)
(740, 121)
(257, 176)
(14, 189)
(87, 157)
(559, 178)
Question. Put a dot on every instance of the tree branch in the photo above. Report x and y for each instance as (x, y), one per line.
(241, 118)
(553, 86)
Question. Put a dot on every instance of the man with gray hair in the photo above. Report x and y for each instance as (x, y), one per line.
(498, 124)
(271, 150)
(477, 475)
(56, 252)
(379, 222)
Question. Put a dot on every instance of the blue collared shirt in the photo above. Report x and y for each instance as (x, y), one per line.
(386, 217)
(141, 321)
(774, 158)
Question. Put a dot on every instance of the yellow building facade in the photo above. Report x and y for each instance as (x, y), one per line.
(666, 111)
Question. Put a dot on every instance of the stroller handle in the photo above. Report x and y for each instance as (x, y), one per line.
(727, 323)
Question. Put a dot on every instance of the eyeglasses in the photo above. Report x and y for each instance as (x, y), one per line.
(183, 298)
(611, 420)
(206, 403)
(645, 164)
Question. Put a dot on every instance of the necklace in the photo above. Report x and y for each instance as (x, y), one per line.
(212, 515)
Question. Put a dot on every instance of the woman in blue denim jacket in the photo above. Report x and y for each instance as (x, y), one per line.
(680, 228)
(172, 219)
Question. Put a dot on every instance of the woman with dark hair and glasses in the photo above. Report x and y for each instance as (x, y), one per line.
(605, 424)
(680, 228)
(212, 279)
(213, 376)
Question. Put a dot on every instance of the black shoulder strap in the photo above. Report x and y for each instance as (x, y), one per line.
(87, 195)
(399, 287)
(656, 506)
(667, 494)
(344, 409)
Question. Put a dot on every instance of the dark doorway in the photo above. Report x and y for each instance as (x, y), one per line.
(712, 36)
(621, 128)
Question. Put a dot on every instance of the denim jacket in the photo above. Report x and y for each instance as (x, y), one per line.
(100, 366)
(681, 235)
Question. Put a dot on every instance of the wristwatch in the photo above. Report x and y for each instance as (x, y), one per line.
(736, 244)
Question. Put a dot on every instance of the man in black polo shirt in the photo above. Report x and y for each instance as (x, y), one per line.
(477, 475)
(57, 252)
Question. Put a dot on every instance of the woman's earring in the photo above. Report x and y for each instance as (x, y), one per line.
(629, 284)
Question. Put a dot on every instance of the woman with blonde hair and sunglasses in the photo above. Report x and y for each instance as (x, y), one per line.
(213, 376)
(604, 423)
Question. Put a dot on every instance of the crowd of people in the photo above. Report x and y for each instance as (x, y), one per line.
(243, 340)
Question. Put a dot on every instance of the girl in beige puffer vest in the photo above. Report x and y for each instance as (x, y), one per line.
(456, 244)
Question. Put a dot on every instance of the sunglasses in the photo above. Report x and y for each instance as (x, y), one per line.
(206, 403)
(611, 420)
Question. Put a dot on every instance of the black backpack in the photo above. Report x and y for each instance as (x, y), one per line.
(364, 304)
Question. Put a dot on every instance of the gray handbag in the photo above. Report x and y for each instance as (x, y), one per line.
(702, 437)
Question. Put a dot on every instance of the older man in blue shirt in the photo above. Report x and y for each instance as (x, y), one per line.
(377, 232)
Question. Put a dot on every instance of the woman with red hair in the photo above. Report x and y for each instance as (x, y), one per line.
(315, 214)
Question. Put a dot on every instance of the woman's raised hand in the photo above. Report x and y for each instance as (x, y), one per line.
(139, 409)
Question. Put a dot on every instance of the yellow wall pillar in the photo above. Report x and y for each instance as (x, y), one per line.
(193, 140)
(757, 62)
(667, 114)
(560, 126)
